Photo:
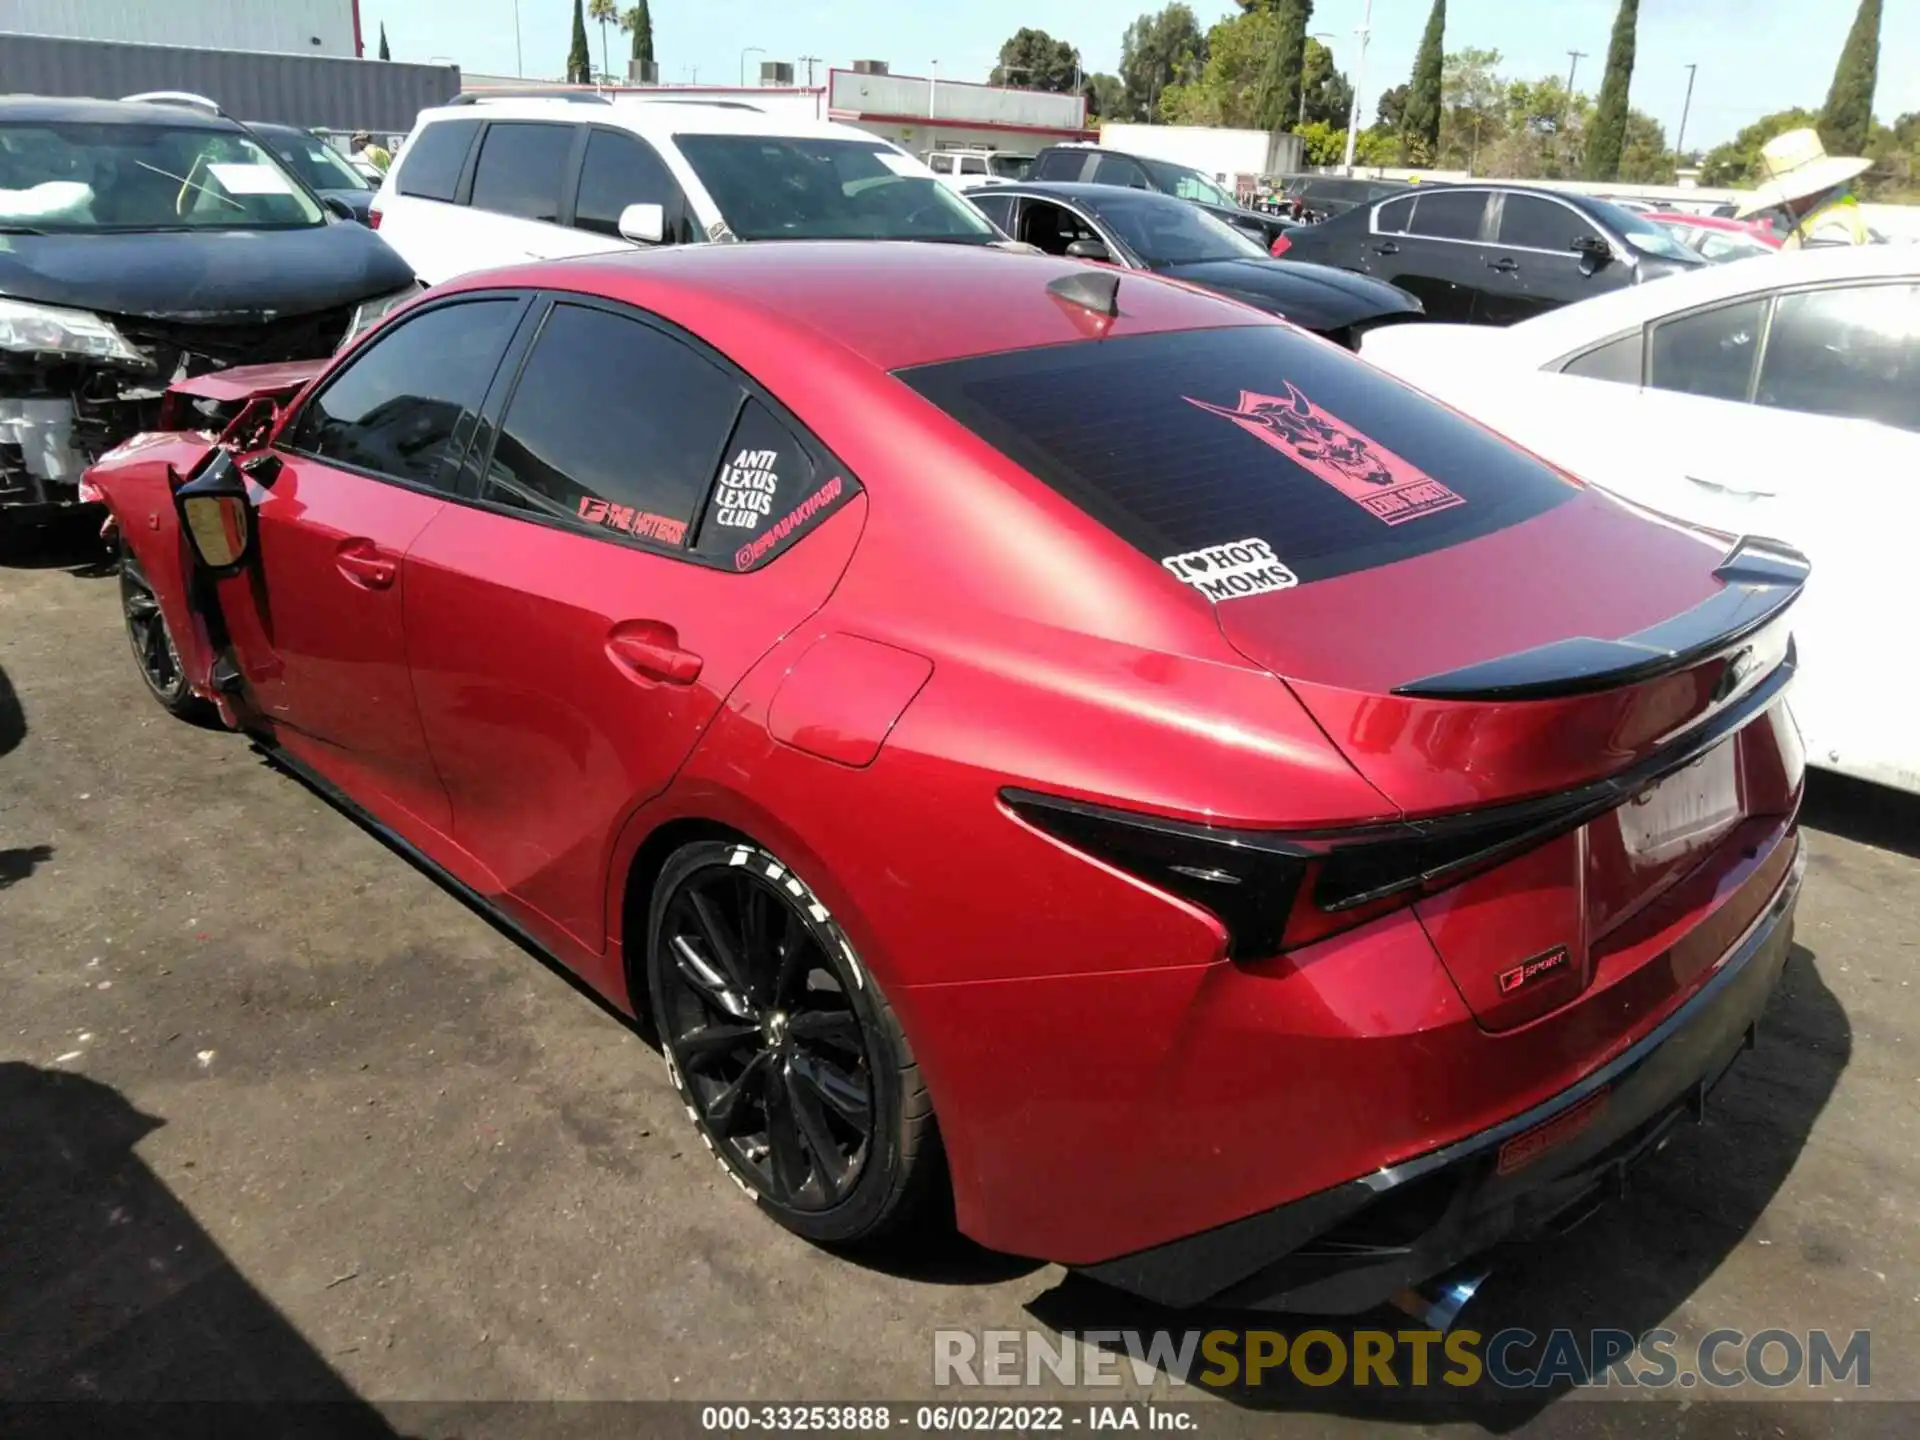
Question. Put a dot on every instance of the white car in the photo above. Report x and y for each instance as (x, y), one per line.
(965, 169)
(490, 181)
(1778, 396)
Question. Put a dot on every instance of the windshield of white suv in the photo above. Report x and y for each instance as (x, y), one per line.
(67, 178)
(779, 187)
(1009, 167)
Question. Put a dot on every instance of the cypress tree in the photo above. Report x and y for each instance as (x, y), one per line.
(385, 53)
(642, 27)
(1849, 114)
(579, 57)
(1420, 121)
(1609, 135)
(1286, 65)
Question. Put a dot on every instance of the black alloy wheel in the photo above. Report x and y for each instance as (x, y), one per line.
(789, 1060)
(153, 648)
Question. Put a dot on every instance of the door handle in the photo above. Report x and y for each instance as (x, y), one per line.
(364, 565)
(651, 651)
(1719, 489)
(1505, 265)
(1386, 247)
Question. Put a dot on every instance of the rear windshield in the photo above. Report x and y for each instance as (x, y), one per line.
(1185, 441)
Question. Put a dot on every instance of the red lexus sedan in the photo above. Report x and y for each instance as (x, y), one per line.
(1249, 831)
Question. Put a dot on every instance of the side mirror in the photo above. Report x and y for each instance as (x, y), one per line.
(338, 208)
(1592, 247)
(217, 516)
(643, 224)
(1087, 250)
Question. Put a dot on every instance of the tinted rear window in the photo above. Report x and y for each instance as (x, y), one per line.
(1178, 442)
(430, 167)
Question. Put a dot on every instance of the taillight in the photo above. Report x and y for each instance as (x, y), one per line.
(373, 219)
(1281, 244)
(1276, 890)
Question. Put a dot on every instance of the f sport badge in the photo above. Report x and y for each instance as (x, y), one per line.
(1387, 487)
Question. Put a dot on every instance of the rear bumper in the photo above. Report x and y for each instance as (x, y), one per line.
(1356, 1245)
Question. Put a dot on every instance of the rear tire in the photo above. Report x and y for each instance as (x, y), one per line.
(791, 1063)
(154, 653)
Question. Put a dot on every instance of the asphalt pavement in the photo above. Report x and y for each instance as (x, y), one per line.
(282, 1119)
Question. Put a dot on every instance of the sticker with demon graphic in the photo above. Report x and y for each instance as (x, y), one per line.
(1373, 477)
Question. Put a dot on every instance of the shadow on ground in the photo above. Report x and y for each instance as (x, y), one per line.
(111, 1293)
(1629, 1268)
(71, 543)
(1867, 814)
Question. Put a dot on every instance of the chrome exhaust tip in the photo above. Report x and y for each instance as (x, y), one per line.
(1437, 1303)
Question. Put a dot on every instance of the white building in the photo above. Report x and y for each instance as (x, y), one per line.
(276, 27)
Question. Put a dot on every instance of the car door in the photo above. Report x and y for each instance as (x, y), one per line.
(997, 207)
(522, 171)
(642, 525)
(619, 169)
(1436, 254)
(1532, 266)
(361, 469)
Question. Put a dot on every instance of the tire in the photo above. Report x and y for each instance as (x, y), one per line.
(154, 654)
(784, 1050)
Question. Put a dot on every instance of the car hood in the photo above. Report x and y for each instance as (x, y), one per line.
(1316, 297)
(204, 276)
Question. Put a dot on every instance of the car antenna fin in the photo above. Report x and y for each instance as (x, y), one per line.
(1090, 289)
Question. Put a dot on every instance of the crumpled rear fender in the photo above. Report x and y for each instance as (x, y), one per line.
(133, 481)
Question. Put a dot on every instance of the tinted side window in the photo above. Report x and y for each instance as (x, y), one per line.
(1851, 352)
(431, 164)
(973, 165)
(769, 493)
(1449, 215)
(398, 408)
(1393, 217)
(1059, 165)
(997, 208)
(1119, 170)
(614, 425)
(620, 171)
(1542, 224)
(1710, 353)
(520, 169)
(1617, 360)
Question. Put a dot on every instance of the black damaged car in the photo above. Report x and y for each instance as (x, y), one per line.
(143, 243)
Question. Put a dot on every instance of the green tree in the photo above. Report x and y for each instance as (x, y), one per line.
(1609, 135)
(605, 13)
(1324, 144)
(1390, 109)
(385, 53)
(1328, 92)
(1473, 116)
(1286, 62)
(1420, 120)
(1848, 118)
(579, 57)
(1035, 60)
(1227, 91)
(1737, 162)
(1106, 97)
(638, 22)
(1158, 51)
(1645, 159)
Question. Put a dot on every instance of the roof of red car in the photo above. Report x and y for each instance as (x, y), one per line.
(893, 304)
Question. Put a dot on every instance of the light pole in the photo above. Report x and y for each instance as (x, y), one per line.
(519, 65)
(750, 50)
(1316, 35)
(809, 61)
(933, 87)
(1359, 84)
(1680, 141)
(1577, 57)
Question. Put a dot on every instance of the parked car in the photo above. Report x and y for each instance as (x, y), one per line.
(323, 169)
(1336, 795)
(963, 169)
(1777, 396)
(500, 180)
(1717, 239)
(1144, 231)
(1494, 254)
(144, 241)
(1321, 197)
(1078, 163)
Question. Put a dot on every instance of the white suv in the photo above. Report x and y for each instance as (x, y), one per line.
(488, 181)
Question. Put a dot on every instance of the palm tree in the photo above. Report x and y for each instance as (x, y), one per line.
(605, 12)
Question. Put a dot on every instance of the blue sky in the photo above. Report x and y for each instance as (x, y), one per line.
(1755, 56)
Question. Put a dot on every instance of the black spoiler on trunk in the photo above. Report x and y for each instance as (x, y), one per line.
(1759, 580)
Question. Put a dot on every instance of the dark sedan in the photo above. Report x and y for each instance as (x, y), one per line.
(1493, 254)
(327, 172)
(1091, 165)
(1141, 230)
